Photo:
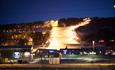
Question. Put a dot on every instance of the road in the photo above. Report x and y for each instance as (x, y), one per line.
(60, 36)
(79, 65)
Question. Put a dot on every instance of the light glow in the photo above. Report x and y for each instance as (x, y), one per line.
(60, 36)
(114, 6)
(54, 23)
(27, 54)
(16, 55)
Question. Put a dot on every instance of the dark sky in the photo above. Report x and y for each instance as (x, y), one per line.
(17, 11)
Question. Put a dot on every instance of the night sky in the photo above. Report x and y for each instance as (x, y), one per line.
(17, 11)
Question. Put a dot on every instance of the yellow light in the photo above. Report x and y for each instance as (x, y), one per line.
(54, 23)
(71, 35)
(54, 44)
(64, 35)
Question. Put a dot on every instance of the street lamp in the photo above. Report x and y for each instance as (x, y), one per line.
(93, 45)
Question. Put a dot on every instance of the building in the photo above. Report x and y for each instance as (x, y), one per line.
(15, 53)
